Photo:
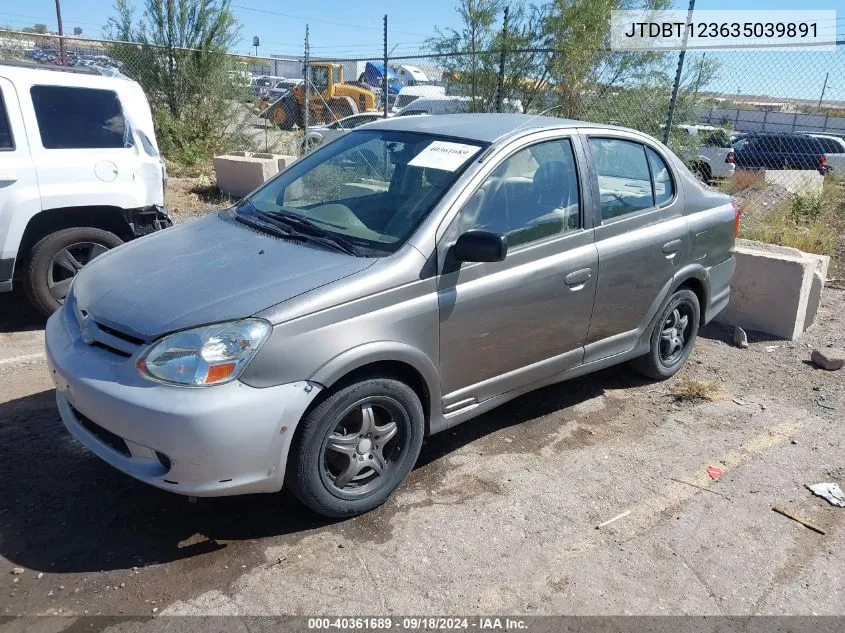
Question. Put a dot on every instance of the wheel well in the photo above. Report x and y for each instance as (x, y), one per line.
(52, 220)
(384, 369)
(697, 286)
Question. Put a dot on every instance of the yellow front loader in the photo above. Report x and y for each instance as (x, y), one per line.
(330, 99)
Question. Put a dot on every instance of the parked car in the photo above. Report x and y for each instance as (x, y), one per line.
(80, 173)
(834, 147)
(310, 336)
(318, 134)
(409, 94)
(262, 85)
(281, 89)
(780, 151)
(450, 104)
(713, 157)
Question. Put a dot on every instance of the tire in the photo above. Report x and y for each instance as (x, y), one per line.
(49, 270)
(658, 363)
(323, 457)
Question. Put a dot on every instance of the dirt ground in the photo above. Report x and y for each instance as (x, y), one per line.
(190, 198)
(499, 515)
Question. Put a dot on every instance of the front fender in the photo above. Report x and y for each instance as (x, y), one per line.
(381, 351)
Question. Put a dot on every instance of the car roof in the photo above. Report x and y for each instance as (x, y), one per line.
(781, 134)
(30, 74)
(478, 127)
(829, 136)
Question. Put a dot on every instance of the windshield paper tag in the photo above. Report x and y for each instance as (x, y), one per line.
(443, 155)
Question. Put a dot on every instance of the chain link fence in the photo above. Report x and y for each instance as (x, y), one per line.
(735, 114)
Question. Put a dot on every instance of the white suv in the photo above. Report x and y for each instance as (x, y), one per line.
(80, 173)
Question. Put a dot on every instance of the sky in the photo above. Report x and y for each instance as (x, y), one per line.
(344, 28)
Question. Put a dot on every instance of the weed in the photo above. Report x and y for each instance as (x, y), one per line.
(689, 389)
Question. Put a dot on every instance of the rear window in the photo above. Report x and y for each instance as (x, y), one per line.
(802, 144)
(6, 141)
(831, 147)
(78, 118)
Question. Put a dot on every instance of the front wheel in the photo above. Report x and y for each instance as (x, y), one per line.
(57, 258)
(673, 337)
(355, 448)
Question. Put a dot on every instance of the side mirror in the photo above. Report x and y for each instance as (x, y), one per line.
(480, 246)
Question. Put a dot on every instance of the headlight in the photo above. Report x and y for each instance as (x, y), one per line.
(207, 355)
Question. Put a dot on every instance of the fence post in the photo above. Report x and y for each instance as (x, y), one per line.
(307, 72)
(674, 99)
(501, 87)
(384, 94)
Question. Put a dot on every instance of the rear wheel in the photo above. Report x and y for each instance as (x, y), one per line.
(56, 259)
(356, 447)
(673, 337)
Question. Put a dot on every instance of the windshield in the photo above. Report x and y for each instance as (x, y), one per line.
(372, 188)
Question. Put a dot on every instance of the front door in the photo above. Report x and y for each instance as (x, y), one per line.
(19, 197)
(510, 323)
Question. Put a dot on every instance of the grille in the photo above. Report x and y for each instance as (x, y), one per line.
(109, 348)
(108, 438)
(121, 335)
(105, 337)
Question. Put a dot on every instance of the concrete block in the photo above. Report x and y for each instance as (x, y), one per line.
(795, 180)
(239, 174)
(775, 289)
(282, 160)
(285, 160)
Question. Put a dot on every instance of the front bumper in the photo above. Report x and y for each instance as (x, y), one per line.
(210, 441)
(147, 220)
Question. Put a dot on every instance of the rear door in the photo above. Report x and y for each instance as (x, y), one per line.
(82, 146)
(641, 235)
(19, 198)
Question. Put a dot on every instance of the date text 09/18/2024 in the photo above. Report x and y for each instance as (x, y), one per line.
(417, 623)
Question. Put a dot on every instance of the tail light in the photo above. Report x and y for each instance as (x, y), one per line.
(737, 213)
(822, 160)
(729, 159)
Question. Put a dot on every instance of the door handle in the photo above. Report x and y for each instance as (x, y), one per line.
(578, 279)
(670, 248)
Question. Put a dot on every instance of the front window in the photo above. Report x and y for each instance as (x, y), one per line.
(320, 77)
(371, 188)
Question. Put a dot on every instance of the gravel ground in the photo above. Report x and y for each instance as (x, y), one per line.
(499, 516)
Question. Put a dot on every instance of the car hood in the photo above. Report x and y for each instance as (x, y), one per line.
(206, 271)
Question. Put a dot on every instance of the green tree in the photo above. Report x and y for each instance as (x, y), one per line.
(577, 75)
(177, 51)
(473, 71)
